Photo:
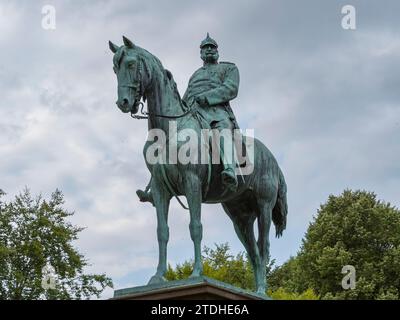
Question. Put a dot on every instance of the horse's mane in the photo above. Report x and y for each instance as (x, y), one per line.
(172, 83)
(169, 79)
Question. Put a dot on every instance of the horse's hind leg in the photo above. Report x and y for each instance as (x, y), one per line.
(243, 221)
(161, 201)
(264, 224)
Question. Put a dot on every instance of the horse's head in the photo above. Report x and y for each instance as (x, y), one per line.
(128, 68)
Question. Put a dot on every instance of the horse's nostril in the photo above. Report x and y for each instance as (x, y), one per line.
(123, 103)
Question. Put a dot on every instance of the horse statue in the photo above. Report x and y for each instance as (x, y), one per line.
(260, 195)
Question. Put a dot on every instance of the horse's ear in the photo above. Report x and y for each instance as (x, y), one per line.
(128, 42)
(169, 74)
(113, 47)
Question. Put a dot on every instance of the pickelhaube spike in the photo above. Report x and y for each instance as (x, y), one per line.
(208, 40)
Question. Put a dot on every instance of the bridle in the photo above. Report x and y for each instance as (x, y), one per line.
(145, 114)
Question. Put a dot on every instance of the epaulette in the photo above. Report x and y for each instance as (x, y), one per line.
(227, 62)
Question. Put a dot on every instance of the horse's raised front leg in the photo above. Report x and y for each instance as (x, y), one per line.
(161, 201)
(194, 198)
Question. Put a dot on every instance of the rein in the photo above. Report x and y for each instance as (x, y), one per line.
(146, 114)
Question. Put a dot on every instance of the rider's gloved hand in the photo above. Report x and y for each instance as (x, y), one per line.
(202, 101)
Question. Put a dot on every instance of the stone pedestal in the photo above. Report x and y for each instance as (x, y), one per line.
(200, 288)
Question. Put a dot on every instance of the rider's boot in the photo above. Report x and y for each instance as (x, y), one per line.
(145, 196)
(228, 175)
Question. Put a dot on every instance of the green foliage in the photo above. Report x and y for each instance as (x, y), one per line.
(287, 277)
(282, 294)
(33, 233)
(351, 229)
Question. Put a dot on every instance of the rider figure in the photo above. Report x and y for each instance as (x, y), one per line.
(212, 87)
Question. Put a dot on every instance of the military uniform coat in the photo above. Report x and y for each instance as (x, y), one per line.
(218, 83)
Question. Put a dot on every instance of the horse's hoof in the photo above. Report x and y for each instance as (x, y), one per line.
(156, 279)
(261, 291)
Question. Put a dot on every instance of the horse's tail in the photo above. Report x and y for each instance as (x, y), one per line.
(280, 210)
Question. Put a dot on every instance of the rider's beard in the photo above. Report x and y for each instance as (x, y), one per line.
(210, 58)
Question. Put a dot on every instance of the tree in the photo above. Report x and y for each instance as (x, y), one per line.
(282, 294)
(35, 236)
(351, 229)
(288, 277)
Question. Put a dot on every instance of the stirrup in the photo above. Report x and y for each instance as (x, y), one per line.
(229, 181)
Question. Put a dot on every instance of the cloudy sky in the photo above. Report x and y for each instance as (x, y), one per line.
(324, 100)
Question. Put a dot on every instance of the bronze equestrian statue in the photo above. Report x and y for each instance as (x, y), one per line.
(259, 195)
